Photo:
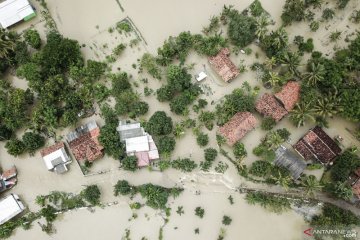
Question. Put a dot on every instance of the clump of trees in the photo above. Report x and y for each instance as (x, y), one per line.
(30, 142)
(210, 155)
(91, 194)
(202, 139)
(185, 164)
(159, 124)
(166, 144)
(269, 202)
(156, 196)
(129, 163)
(32, 37)
(199, 211)
(268, 123)
(293, 10)
(241, 29)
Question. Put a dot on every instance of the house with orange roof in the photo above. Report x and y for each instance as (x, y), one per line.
(237, 127)
(223, 65)
(289, 95)
(268, 106)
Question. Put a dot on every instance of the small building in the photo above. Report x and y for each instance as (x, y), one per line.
(56, 158)
(237, 127)
(268, 106)
(14, 11)
(201, 76)
(8, 179)
(289, 160)
(138, 143)
(10, 206)
(289, 95)
(84, 143)
(316, 144)
(223, 65)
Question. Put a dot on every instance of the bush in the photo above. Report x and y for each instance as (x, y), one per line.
(344, 165)
(159, 124)
(202, 139)
(49, 213)
(5, 133)
(122, 187)
(199, 212)
(268, 123)
(33, 141)
(129, 163)
(185, 165)
(239, 150)
(32, 37)
(226, 220)
(91, 194)
(260, 168)
(241, 29)
(271, 203)
(15, 147)
(210, 154)
(166, 144)
(293, 10)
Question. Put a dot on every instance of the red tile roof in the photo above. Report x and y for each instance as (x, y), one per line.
(268, 106)
(46, 151)
(224, 66)
(316, 143)
(240, 124)
(87, 146)
(289, 95)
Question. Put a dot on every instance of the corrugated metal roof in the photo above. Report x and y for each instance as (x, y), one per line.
(290, 161)
(14, 11)
(10, 206)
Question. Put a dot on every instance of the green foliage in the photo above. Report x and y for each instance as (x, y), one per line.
(344, 165)
(293, 10)
(202, 139)
(119, 49)
(268, 123)
(256, 8)
(210, 155)
(91, 194)
(32, 37)
(328, 14)
(270, 203)
(148, 62)
(199, 211)
(122, 187)
(209, 45)
(185, 165)
(15, 147)
(123, 26)
(275, 43)
(207, 118)
(49, 213)
(260, 168)
(221, 167)
(33, 141)
(241, 29)
(239, 150)
(340, 190)
(129, 163)
(226, 220)
(314, 26)
(159, 124)
(5, 133)
(341, 4)
(166, 144)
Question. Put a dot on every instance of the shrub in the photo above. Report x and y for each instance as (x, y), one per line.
(32, 37)
(226, 220)
(239, 150)
(129, 163)
(92, 194)
(210, 154)
(185, 165)
(159, 124)
(268, 123)
(119, 49)
(260, 168)
(199, 212)
(166, 144)
(33, 141)
(5, 133)
(202, 139)
(122, 187)
(15, 147)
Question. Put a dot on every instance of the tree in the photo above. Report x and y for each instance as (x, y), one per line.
(293, 10)
(268, 123)
(33, 141)
(335, 216)
(311, 185)
(122, 187)
(159, 124)
(241, 29)
(260, 168)
(274, 79)
(92, 194)
(273, 140)
(199, 211)
(149, 63)
(5, 133)
(32, 37)
(166, 144)
(300, 114)
(328, 14)
(327, 106)
(120, 83)
(226, 220)
(282, 179)
(314, 75)
(8, 42)
(239, 150)
(210, 154)
(344, 165)
(129, 163)
(49, 213)
(341, 190)
(276, 43)
(202, 139)
(292, 61)
(185, 165)
(15, 147)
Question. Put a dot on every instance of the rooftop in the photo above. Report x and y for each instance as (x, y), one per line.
(268, 106)
(55, 157)
(289, 95)
(316, 143)
(237, 127)
(224, 66)
(14, 11)
(10, 207)
(290, 161)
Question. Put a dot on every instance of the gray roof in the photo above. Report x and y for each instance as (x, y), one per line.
(61, 168)
(130, 130)
(289, 160)
(81, 131)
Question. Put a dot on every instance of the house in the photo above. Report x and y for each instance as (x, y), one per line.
(8, 179)
(201, 76)
(14, 11)
(10, 207)
(223, 65)
(268, 106)
(138, 143)
(317, 144)
(237, 127)
(355, 182)
(289, 160)
(84, 143)
(289, 95)
(56, 158)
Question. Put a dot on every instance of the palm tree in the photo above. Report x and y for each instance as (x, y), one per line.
(261, 26)
(273, 140)
(270, 63)
(329, 105)
(282, 180)
(315, 75)
(280, 38)
(7, 43)
(292, 62)
(300, 114)
(274, 79)
(311, 185)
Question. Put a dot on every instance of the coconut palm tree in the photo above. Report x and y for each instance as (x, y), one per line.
(311, 185)
(273, 140)
(300, 114)
(274, 79)
(7, 43)
(261, 26)
(329, 105)
(282, 180)
(270, 63)
(315, 75)
(280, 38)
(292, 62)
